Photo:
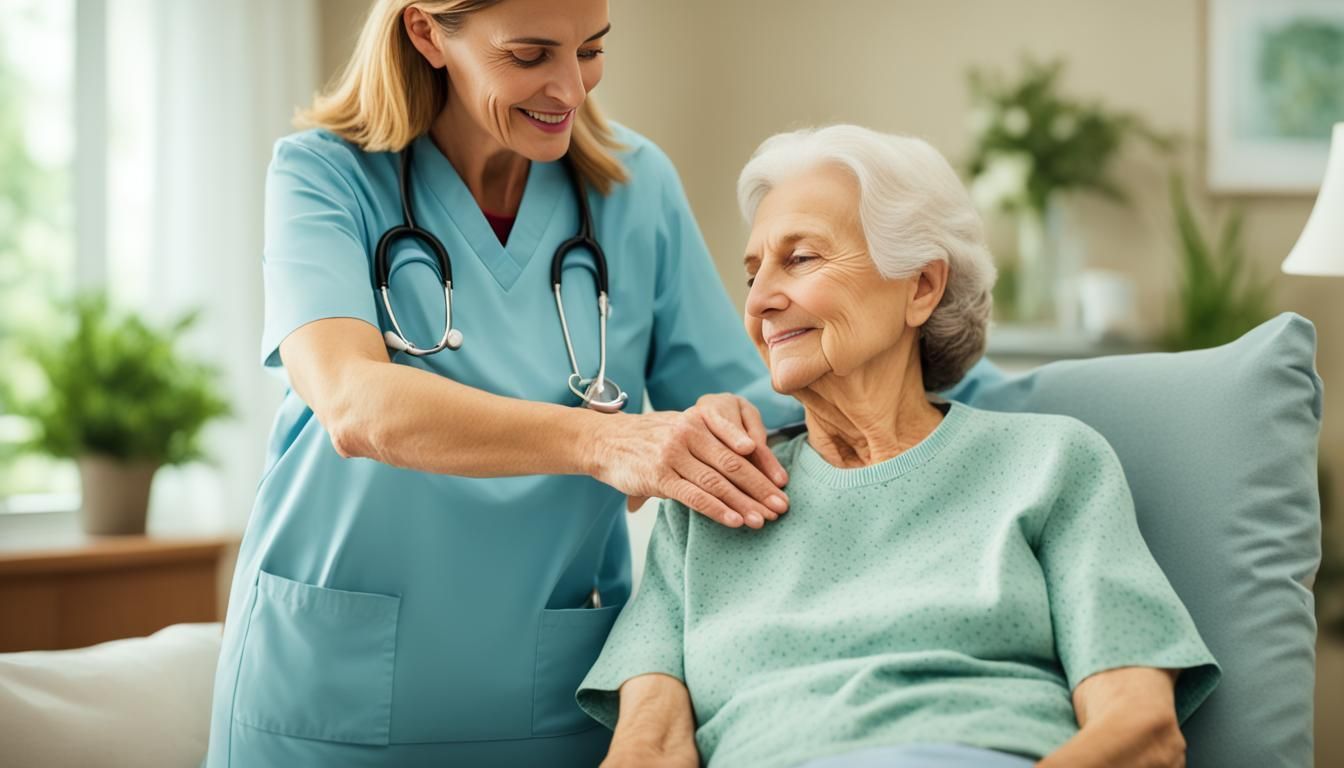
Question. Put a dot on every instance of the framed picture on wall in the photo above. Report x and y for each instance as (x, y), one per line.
(1275, 82)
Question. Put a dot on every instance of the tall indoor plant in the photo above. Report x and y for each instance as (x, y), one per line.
(1219, 296)
(122, 402)
(1030, 145)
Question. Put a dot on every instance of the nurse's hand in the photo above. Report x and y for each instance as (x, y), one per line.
(712, 457)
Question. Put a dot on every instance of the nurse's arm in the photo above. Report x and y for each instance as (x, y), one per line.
(406, 417)
(656, 726)
(411, 418)
(1126, 716)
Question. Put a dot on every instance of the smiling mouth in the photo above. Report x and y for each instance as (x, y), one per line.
(547, 117)
(550, 122)
(787, 336)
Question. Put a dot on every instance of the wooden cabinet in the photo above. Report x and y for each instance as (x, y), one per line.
(81, 590)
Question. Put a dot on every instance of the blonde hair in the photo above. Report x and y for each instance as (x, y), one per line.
(388, 94)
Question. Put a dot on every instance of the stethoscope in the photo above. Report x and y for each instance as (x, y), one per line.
(599, 392)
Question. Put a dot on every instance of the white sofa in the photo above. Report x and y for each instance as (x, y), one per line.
(142, 702)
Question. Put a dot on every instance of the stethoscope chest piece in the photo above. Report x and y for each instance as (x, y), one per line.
(605, 396)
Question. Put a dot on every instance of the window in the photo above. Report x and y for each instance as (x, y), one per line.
(37, 219)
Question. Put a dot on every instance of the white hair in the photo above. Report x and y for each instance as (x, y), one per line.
(913, 210)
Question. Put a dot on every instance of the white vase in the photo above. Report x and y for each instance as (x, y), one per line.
(1035, 266)
(1050, 258)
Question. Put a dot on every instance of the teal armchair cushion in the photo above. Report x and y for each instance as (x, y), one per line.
(1219, 448)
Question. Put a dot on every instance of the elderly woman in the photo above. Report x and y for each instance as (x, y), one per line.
(951, 586)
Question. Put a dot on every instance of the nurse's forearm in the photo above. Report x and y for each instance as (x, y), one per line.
(406, 417)
(409, 418)
(709, 457)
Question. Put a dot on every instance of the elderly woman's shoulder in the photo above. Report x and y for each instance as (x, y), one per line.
(786, 446)
(1028, 432)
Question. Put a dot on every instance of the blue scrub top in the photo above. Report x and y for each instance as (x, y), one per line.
(386, 616)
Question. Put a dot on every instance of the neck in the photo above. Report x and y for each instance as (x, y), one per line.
(494, 174)
(871, 414)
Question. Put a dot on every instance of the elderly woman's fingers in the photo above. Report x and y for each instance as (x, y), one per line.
(742, 476)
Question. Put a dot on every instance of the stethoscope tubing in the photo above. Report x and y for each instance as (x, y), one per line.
(587, 390)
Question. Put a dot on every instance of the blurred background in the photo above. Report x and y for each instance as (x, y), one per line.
(1143, 168)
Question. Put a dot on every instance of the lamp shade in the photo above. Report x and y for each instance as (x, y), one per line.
(1320, 247)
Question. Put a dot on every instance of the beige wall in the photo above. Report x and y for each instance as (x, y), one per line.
(708, 79)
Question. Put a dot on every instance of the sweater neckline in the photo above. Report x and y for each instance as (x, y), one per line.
(837, 477)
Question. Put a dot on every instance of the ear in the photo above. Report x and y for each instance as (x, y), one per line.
(422, 29)
(927, 287)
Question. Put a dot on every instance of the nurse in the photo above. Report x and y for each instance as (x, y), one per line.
(438, 547)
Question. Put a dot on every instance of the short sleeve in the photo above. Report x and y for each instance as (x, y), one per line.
(699, 344)
(1110, 603)
(648, 635)
(314, 262)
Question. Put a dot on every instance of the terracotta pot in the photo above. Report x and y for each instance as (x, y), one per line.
(116, 494)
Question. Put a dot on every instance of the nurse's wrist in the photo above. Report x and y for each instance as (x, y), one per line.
(587, 440)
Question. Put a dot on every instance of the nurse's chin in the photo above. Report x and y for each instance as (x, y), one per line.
(545, 150)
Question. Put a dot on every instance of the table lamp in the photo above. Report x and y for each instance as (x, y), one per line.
(1320, 247)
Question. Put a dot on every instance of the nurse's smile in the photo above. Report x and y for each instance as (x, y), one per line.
(549, 122)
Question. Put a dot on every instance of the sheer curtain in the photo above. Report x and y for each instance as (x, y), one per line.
(199, 90)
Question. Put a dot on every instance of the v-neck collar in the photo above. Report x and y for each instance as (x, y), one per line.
(541, 193)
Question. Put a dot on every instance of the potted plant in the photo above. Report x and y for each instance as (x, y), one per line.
(121, 402)
(1218, 296)
(1030, 143)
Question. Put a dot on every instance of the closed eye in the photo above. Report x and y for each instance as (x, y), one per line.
(532, 59)
(794, 259)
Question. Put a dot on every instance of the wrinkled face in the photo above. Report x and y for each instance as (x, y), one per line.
(520, 69)
(817, 305)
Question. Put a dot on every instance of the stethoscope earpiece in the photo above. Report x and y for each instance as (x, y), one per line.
(599, 393)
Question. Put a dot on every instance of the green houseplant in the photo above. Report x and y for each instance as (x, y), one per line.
(1218, 296)
(122, 402)
(1030, 144)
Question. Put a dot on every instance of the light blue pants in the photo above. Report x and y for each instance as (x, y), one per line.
(922, 756)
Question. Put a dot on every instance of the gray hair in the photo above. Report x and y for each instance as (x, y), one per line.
(913, 210)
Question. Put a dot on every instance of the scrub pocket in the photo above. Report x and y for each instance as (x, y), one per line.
(317, 663)
(567, 647)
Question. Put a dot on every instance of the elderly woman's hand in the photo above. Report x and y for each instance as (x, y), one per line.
(712, 457)
(1126, 716)
(656, 726)
(625, 754)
